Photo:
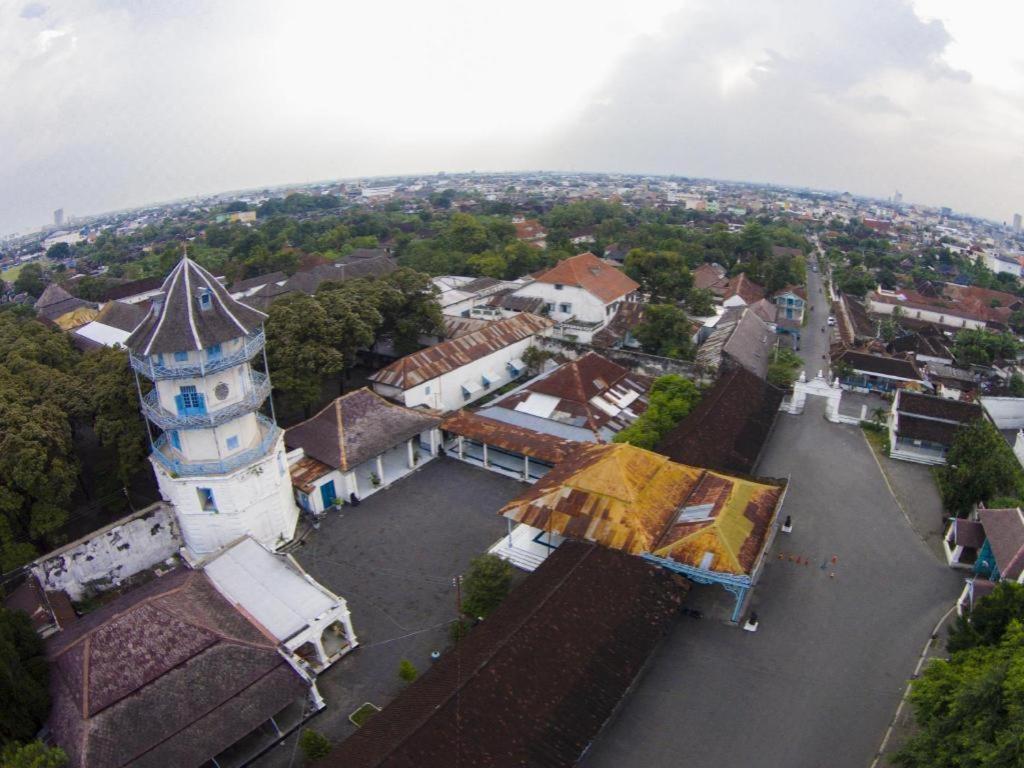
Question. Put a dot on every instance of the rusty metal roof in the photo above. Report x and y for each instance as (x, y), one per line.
(439, 359)
(509, 437)
(638, 501)
(307, 471)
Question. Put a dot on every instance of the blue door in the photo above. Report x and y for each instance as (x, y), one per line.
(190, 402)
(327, 493)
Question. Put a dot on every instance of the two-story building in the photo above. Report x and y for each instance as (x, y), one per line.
(581, 294)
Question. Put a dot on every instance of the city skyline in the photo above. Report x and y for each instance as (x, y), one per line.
(917, 97)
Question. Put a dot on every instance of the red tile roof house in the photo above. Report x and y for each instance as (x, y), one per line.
(991, 546)
(169, 674)
(581, 294)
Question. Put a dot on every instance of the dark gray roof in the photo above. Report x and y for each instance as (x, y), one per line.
(308, 281)
(167, 674)
(252, 282)
(741, 336)
(355, 428)
(118, 314)
(178, 323)
(56, 302)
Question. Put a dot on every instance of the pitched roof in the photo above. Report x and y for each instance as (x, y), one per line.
(744, 287)
(589, 272)
(708, 276)
(178, 322)
(509, 437)
(880, 365)
(854, 322)
(132, 288)
(55, 302)
(350, 268)
(167, 674)
(628, 316)
(728, 427)
(355, 428)
(932, 407)
(1004, 529)
(591, 392)
(429, 363)
(534, 684)
(124, 317)
(741, 336)
(638, 501)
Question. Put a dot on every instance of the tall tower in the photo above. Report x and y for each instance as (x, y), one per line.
(218, 459)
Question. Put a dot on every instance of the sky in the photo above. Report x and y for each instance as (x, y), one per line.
(107, 104)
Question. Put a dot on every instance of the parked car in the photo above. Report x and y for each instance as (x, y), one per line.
(831, 320)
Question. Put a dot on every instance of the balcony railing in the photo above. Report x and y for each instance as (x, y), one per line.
(165, 454)
(148, 367)
(250, 402)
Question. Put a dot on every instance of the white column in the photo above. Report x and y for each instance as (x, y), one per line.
(462, 451)
(526, 467)
(355, 484)
(321, 652)
(380, 469)
(434, 440)
(485, 455)
(409, 451)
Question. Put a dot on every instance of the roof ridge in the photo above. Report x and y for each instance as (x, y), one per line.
(340, 419)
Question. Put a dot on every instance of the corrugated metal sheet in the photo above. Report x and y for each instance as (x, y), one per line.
(509, 437)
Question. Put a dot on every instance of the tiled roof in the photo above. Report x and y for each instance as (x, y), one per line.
(534, 684)
(56, 302)
(630, 499)
(628, 316)
(968, 533)
(708, 276)
(509, 437)
(167, 674)
(728, 427)
(355, 428)
(938, 407)
(124, 317)
(744, 287)
(742, 336)
(879, 365)
(916, 428)
(429, 363)
(457, 326)
(133, 288)
(1004, 529)
(591, 273)
(590, 392)
(178, 323)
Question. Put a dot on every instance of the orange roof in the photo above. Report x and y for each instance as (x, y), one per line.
(592, 274)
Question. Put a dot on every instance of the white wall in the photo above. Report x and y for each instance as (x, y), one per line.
(585, 305)
(931, 316)
(256, 500)
(104, 558)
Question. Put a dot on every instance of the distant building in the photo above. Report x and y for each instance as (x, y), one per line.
(58, 217)
(1016, 222)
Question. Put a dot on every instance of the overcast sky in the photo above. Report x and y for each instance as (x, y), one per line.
(110, 104)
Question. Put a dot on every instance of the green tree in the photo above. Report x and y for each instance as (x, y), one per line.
(302, 348)
(979, 466)
(35, 754)
(488, 264)
(987, 623)
(31, 280)
(1016, 385)
(784, 368)
(983, 347)
(663, 275)
(666, 331)
(314, 745)
(24, 678)
(465, 233)
(407, 671)
(671, 399)
(968, 709)
(58, 252)
(486, 585)
(700, 302)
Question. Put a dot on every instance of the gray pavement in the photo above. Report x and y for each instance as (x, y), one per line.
(814, 343)
(393, 558)
(819, 682)
(914, 485)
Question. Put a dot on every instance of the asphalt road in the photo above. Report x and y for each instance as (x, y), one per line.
(815, 336)
(818, 683)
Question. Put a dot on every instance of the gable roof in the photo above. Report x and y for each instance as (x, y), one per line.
(592, 274)
(177, 323)
(429, 363)
(630, 499)
(880, 365)
(708, 276)
(55, 302)
(167, 674)
(534, 684)
(744, 287)
(729, 425)
(1004, 529)
(590, 392)
(355, 428)
(509, 437)
(742, 336)
(933, 407)
(120, 315)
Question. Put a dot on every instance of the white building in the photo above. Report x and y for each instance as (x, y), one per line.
(219, 461)
(581, 294)
(450, 375)
(914, 307)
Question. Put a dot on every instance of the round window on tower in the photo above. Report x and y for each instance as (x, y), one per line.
(221, 391)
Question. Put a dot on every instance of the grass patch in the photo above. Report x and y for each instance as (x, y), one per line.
(11, 274)
(364, 713)
(877, 435)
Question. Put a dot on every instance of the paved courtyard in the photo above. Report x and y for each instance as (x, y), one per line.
(393, 558)
(819, 682)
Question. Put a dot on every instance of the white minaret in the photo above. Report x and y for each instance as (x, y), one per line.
(219, 460)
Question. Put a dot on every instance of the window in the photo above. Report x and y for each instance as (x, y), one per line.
(303, 499)
(204, 299)
(232, 443)
(566, 308)
(549, 307)
(426, 390)
(189, 401)
(180, 357)
(213, 353)
(158, 359)
(559, 286)
(206, 501)
(175, 438)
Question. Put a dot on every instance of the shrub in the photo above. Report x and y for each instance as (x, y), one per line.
(485, 585)
(407, 671)
(314, 744)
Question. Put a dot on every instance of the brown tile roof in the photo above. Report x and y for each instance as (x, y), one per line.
(1004, 529)
(589, 392)
(709, 276)
(744, 287)
(534, 683)
(179, 324)
(167, 674)
(968, 533)
(457, 327)
(728, 427)
(125, 317)
(880, 365)
(133, 288)
(915, 428)
(529, 229)
(357, 427)
(509, 437)
(629, 315)
(306, 471)
(934, 407)
(854, 322)
(630, 499)
(46, 610)
(589, 272)
(429, 363)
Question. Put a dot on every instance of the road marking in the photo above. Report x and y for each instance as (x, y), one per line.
(906, 691)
